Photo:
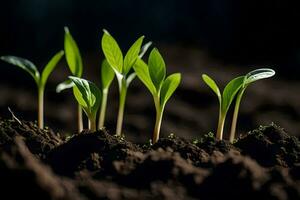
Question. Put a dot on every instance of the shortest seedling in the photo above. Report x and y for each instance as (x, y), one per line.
(251, 77)
(88, 97)
(154, 78)
(225, 99)
(40, 79)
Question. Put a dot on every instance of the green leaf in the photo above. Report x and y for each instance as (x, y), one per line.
(107, 74)
(157, 68)
(230, 91)
(64, 85)
(212, 84)
(132, 54)
(73, 56)
(23, 64)
(112, 52)
(258, 74)
(144, 49)
(168, 88)
(141, 69)
(50, 66)
(87, 94)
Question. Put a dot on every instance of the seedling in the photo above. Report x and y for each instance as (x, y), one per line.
(74, 61)
(154, 78)
(225, 99)
(122, 68)
(40, 79)
(107, 76)
(251, 77)
(88, 97)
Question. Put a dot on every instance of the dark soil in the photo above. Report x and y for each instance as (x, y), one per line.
(39, 164)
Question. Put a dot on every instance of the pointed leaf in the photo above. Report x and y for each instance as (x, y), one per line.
(73, 56)
(258, 74)
(112, 51)
(50, 66)
(144, 49)
(107, 74)
(23, 64)
(64, 85)
(212, 84)
(87, 94)
(132, 54)
(168, 88)
(157, 68)
(230, 91)
(141, 69)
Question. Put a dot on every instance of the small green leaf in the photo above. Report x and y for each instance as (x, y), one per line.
(50, 66)
(258, 74)
(212, 84)
(169, 86)
(132, 54)
(112, 52)
(157, 68)
(144, 49)
(73, 56)
(87, 94)
(107, 74)
(230, 91)
(64, 85)
(141, 69)
(23, 64)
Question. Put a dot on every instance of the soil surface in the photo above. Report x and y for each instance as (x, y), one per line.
(40, 164)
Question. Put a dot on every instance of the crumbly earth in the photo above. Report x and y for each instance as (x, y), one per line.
(39, 164)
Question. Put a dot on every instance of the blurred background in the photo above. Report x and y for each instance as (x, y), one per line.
(222, 38)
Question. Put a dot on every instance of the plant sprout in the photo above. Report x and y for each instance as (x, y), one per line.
(74, 61)
(154, 78)
(122, 68)
(88, 97)
(40, 79)
(251, 77)
(107, 76)
(225, 99)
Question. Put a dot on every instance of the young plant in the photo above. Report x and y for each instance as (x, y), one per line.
(251, 77)
(225, 99)
(107, 76)
(122, 68)
(40, 79)
(88, 97)
(74, 61)
(154, 78)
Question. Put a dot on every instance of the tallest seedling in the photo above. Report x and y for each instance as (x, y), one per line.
(122, 68)
(40, 79)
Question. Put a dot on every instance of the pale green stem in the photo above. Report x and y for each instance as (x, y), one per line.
(92, 124)
(41, 107)
(235, 115)
(79, 119)
(123, 92)
(103, 109)
(158, 120)
(221, 123)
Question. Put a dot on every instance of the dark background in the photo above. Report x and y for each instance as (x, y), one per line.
(221, 37)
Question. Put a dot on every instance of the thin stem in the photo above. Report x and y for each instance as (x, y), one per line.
(103, 109)
(79, 119)
(235, 115)
(41, 107)
(221, 123)
(123, 92)
(158, 120)
(92, 124)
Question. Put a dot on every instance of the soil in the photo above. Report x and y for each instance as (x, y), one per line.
(40, 164)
